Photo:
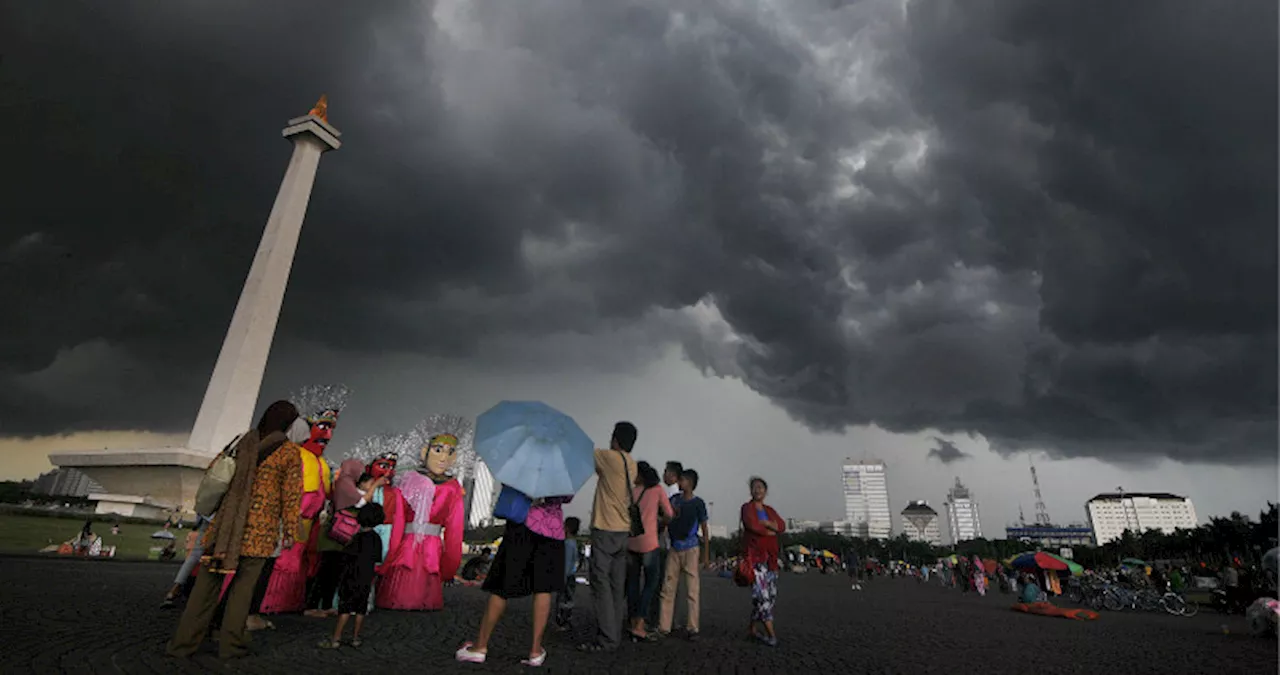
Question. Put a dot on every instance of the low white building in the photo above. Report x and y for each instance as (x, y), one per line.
(1110, 514)
(842, 527)
(920, 523)
(797, 525)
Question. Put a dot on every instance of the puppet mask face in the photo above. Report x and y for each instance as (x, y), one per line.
(322, 427)
(383, 466)
(440, 454)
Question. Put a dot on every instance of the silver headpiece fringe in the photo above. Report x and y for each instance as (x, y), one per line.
(317, 398)
(457, 425)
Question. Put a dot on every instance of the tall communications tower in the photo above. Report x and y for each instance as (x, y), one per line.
(1042, 512)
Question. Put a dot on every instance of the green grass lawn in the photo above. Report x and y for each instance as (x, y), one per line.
(29, 534)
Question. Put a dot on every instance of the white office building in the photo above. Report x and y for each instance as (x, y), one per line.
(1111, 514)
(866, 498)
(796, 525)
(484, 495)
(920, 523)
(840, 527)
(962, 514)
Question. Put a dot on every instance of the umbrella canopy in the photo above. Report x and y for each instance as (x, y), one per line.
(828, 554)
(1045, 561)
(799, 548)
(162, 534)
(534, 448)
(1133, 562)
(989, 565)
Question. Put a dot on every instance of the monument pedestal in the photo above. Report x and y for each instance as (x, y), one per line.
(144, 483)
(152, 481)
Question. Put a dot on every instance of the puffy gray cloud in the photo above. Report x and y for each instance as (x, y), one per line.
(981, 218)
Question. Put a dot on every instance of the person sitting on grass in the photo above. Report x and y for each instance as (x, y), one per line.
(360, 557)
(1030, 591)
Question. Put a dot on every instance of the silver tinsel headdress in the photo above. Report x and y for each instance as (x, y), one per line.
(321, 401)
(458, 426)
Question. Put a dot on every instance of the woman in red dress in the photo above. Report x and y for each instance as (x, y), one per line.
(761, 526)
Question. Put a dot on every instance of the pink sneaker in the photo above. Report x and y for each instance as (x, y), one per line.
(465, 654)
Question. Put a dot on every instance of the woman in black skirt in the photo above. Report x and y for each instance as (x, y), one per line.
(530, 561)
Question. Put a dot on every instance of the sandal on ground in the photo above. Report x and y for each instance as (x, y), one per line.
(356, 642)
(466, 655)
(592, 648)
(691, 636)
(315, 613)
(329, 643)
(535, 661)
(648, 637)
(255, 626)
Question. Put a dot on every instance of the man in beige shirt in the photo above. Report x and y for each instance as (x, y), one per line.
(610, 529)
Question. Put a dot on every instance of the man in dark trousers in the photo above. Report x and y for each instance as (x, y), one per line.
(610, 530)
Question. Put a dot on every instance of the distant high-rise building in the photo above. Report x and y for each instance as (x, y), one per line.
(1111, 514)
(920, 523)
(962, 514)
(866, 498)
(484, 495)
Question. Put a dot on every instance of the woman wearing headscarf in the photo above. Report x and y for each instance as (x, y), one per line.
(297, 434)
(258, 515)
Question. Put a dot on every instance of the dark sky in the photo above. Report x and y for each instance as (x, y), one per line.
(1048, 224)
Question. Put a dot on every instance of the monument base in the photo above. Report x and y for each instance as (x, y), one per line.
(129, 505)
(146, 481)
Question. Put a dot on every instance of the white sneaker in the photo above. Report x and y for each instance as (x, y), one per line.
(465, 654)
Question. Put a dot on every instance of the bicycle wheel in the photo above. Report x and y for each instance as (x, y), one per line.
(1112, 602)
(1190, 607)
(1074, 595)
(1095, 601)
(1173, 603)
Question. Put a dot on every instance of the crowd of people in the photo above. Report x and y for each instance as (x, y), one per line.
(649, 537)
(286, 536)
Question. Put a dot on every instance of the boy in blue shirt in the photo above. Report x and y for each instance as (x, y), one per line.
(689, 551)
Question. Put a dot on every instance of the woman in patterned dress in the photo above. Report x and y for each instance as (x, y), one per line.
(761, 526)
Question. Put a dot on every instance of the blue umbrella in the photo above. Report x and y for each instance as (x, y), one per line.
(534, 448)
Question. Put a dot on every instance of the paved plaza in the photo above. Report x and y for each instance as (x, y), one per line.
(65, 616)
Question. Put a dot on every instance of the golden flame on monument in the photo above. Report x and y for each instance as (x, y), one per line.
(321, 108)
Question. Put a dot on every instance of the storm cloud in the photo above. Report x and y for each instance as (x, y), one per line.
(946, 451)
(1051, 227)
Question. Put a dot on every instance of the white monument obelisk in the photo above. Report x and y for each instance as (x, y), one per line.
(145, 482)
(229, 401)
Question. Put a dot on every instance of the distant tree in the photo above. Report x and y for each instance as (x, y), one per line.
(15, 492)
